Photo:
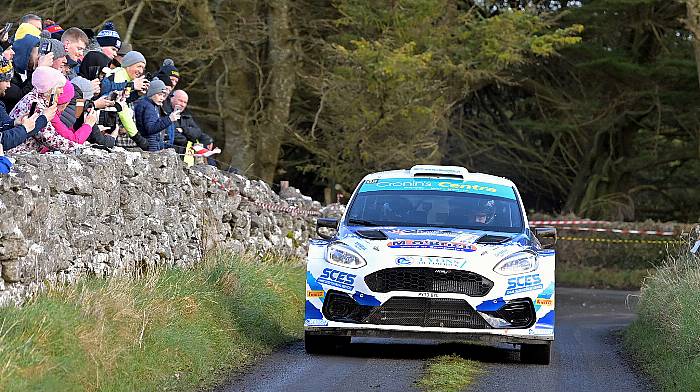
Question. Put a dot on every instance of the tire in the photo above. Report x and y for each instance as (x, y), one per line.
(323, 344)
(538, 354)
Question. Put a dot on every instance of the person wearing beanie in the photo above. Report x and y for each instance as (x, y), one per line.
(109, 40)
(148, 117)
(48, 86)
(123, 51)
(25, 60)
(81, 134)
(59, 53)
(169, 71)
(13, 133)
(53, 28)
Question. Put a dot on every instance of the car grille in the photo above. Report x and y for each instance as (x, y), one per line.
(433, 280)
(426, 312)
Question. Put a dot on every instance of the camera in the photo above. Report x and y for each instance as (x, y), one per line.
(108, 119)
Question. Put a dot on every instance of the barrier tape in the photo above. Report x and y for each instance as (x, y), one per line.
(567, 222)
(619, 231)
(620, 241)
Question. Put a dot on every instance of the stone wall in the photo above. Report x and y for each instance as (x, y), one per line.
(101, 214)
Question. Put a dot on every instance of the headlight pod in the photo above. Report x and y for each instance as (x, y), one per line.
(517, 263)
(340, 254)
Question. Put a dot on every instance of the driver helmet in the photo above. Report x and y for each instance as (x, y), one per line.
(483, 211)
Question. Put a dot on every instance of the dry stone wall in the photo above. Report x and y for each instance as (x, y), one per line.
(103, 214)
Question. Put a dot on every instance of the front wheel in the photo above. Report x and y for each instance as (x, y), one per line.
(323, 344)
(539, 354)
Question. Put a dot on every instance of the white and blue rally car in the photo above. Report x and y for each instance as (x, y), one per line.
(432, 252)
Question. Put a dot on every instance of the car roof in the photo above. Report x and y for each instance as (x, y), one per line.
(437, 171)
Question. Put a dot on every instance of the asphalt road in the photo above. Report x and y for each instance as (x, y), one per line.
(587, 357)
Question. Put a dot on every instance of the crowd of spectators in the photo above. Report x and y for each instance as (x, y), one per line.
(65, 90)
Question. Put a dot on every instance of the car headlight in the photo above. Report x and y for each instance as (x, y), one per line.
(517, 263)
(342, 255)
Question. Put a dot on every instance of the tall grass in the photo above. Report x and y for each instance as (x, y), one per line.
(170, 330)
(666, 336)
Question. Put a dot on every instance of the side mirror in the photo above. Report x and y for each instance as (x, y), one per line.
(547, 236)
(331, 223)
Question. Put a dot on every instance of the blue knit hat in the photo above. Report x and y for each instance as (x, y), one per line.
(108, 36)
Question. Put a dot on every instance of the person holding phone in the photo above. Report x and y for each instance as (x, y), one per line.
(82, 133)
(47, 82)
(15, 132)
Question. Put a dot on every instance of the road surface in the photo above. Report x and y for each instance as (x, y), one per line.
(587, 357)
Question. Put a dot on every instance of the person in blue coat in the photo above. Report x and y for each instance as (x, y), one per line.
(13, 133)
(149, 121)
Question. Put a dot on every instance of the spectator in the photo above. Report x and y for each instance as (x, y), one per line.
(124, 79)
(82, 133)
(25, 60)
(48, 85)
(89, 72)
(148, 118)
(33, 20)
(13, 133)
(109, 40)
(59, 53)
(33, 27)
(187, 129)
(169, 71)
(8, 53)
(75, 42)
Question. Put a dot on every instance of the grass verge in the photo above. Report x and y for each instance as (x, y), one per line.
(599, 277)
(665, 336)
(172, 330)
(448, 373)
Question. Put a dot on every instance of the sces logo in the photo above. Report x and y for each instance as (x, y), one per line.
(337, 278)
(524, 283)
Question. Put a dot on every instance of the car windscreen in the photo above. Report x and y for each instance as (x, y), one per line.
(446, 203)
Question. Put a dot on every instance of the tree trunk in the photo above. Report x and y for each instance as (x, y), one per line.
(279, 94)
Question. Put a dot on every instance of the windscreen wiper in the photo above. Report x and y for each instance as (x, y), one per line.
(362, 222)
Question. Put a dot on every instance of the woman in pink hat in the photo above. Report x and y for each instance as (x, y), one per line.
(81, 134)
(48, 86)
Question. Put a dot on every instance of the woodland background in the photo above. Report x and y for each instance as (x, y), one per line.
(590, 106)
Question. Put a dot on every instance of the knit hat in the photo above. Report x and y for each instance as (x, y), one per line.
(108, 36)
(155, 87)
(45, 78)
(53, 28)
(132, 58)
(67, 94)
(169, 69)
(126, 48)
(26, 29)
(6, 70)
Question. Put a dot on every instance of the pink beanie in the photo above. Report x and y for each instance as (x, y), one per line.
(67, 94)
(46, 78)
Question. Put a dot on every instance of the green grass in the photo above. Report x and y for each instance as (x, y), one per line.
(448, 373)
(172, 330)
(599, 277)
(666, 336)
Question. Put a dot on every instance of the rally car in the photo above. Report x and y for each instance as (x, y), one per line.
(432, 252)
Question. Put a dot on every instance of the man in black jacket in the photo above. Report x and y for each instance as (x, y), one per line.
(186, 128)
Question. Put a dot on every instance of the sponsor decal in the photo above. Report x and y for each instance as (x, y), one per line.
(360, 245)
(420, 232)
(467, 238)
(451, 185)
(314, 293)
(544, 301)
(432, 244)
(316, 323)
(430, 261)
(428, 295)
(524, 283)
(336, 278)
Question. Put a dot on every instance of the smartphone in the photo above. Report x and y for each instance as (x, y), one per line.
(6, 29)
(113, 96)
(32, 109)
(45, 47)
(93, 72)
